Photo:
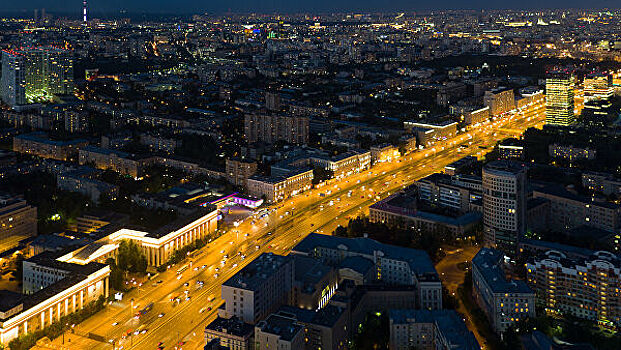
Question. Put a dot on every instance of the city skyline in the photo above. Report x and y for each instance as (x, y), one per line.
(188, 7)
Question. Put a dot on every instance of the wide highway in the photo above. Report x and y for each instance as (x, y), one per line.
(181, 321)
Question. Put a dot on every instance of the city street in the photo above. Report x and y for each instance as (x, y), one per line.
(172, 323)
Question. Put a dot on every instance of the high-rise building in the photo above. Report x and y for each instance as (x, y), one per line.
(560, 98)
(598, 87)
(272, 128)
(35, 74)
(504, 204)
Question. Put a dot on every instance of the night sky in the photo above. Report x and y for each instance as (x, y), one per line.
(200, 6)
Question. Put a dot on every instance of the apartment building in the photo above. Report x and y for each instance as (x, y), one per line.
(38, 144)
(18, 220)
(585, 287)
(270, 128)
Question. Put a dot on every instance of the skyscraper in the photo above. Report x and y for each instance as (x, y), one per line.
(35, 74)
(560, 98)
(504, 204)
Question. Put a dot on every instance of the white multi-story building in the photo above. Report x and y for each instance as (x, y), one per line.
(52, 289)
(505, 302)
(504, 204)
(259, 288)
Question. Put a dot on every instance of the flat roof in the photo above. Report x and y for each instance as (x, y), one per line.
(253, 275)
(487, 261)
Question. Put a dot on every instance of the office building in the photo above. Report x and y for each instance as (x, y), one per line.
(35, 75)
(560, 99)
(18, 221)
(259, 289)
(504, 204)
(393, 265)
(598, 87)
(503, 300)
(585, 287)
(429, 330)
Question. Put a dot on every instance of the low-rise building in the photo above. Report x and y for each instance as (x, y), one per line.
(53, 290)
(569, 210)
(585, 287)
(504, 301)
(384, 153)
(429, 330)
(277, 188)
(511, 149)
(80, 181)
(158, 245)
(118, 161)
(601, 182)
(325, 328)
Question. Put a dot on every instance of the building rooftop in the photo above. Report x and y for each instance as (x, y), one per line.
(287, 328)
(253, 275)
(488, 261)
(233, 326)
(326, 317)
(41, 137)
(418, 260)
(448, 322)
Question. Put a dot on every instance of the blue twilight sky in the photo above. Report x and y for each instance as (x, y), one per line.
(200, 6)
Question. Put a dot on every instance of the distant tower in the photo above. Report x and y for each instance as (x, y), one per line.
(84, 11)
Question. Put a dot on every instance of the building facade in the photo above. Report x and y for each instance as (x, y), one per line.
(504, 301)
(259, 289)
(585, 287)
(560, 99)
(504, 204)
